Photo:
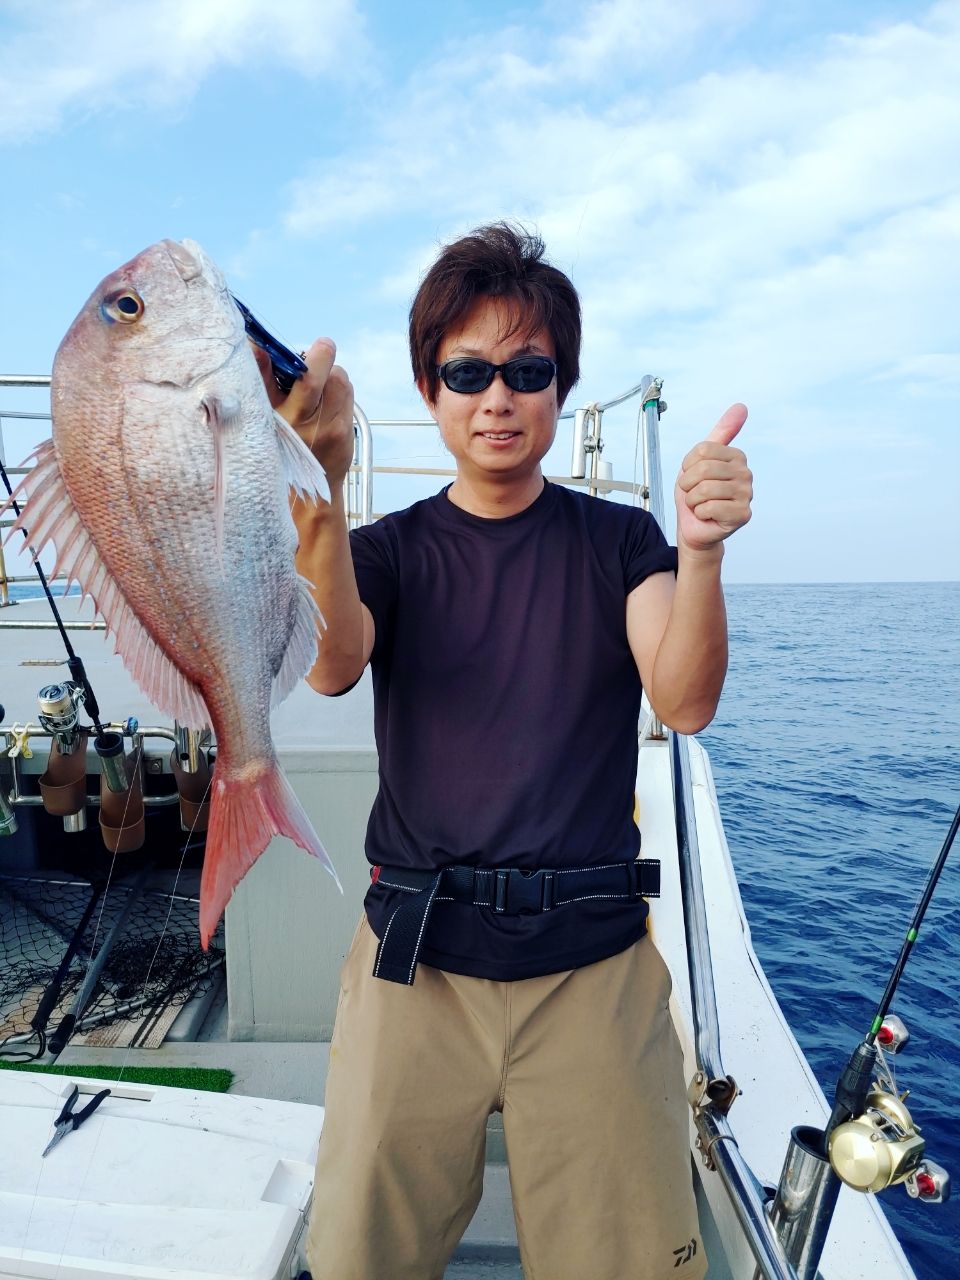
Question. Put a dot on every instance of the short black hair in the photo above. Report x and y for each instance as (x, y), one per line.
(501, 260)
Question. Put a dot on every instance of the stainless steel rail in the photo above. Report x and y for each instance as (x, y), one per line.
(360, 479)
(365, 464)
(42, 624)
(363, 508)
(712, 1091)
(153, 763)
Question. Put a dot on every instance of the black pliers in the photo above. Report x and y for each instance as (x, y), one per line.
(69, 1119)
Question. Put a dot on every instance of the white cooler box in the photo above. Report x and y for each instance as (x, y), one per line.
(158, 1184)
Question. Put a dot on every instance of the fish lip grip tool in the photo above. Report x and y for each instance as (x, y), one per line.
(288, 367)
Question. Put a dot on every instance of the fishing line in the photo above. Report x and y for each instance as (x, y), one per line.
(100, 891)
(61, 1037)
(75, 663)
(187, 844)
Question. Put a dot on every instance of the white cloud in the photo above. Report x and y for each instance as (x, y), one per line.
(77, 57)
(784, 229)
(613, 35)
(729, 170)
(935, 373)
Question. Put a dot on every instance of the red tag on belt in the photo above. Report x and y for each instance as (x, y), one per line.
(375, 874)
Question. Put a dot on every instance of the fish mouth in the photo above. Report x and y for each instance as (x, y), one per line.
(189, 264)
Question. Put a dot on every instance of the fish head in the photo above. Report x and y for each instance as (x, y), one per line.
(166, 317)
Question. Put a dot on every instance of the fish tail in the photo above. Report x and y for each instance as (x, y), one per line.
(245, 814)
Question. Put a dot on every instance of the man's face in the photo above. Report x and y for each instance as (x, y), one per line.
(496, 433)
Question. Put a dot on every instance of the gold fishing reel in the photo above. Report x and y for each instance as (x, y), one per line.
(879, 1148)
(883, 1147)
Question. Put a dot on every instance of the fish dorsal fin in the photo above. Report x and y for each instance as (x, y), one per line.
(301, 470)
(48, 515)
(301, 651)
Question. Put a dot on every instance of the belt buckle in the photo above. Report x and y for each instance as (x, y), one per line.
(521, 892)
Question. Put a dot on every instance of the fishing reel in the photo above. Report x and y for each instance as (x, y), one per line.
(59, 713)
(882, 1146)
(63, 784)
(879, 1148)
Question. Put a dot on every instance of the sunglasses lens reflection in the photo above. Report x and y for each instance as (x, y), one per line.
(468, 376)
(533, 374)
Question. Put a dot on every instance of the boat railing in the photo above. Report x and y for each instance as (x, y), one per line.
(712, 1091)
(588, 471)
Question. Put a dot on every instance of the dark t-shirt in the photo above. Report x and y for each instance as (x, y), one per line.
(506, 707)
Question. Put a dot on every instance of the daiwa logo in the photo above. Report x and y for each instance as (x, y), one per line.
(686, 1253)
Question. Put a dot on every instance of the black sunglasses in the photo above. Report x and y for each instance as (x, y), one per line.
(467, 375)
(288, 367)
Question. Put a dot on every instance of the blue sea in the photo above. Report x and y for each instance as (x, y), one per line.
(836, 753)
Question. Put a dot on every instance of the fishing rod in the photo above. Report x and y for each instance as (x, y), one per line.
(48, 1003)
(870, 1141)
(58, 1040)
(854, 1083)
(74, 661)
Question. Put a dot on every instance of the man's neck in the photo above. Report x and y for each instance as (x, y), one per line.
(493, 500)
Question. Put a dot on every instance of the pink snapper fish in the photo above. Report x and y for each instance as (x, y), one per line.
(165, 490)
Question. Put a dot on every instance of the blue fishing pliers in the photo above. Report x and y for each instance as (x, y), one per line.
(68, 1119)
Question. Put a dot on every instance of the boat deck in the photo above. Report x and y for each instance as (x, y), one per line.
(287, 932)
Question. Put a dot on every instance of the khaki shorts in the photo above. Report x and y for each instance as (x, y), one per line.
(585, 1067)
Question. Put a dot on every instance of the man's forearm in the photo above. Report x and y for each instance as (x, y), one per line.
(324, 559)
(691, 661)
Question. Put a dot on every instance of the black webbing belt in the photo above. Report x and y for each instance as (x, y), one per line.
(508, 889)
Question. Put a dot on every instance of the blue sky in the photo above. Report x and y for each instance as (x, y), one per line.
(757, 202)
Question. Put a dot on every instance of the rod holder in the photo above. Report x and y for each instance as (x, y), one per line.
(122, 822)
(194, 788)
(187, 750)
(113, 762)
(63, 785)
(806, 1197)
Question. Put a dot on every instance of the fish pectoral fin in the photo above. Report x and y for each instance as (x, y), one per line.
(301, 470)
(301, 651)
(221, 413)
(48, 514)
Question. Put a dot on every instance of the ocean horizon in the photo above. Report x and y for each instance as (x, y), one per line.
(836, 761)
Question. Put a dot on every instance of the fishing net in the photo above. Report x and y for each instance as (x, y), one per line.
(54, 930)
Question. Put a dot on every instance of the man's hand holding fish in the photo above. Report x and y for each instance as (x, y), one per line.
(320, 409)
(319, 406)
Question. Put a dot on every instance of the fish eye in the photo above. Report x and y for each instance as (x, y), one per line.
(125, 305)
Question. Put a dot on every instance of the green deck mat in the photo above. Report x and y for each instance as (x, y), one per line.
(211, 1079)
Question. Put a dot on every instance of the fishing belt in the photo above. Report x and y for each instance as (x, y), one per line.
(509, 890)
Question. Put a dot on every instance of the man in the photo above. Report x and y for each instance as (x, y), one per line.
(501, 962)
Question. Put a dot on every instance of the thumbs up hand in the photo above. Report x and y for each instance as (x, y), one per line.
(714, 487)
